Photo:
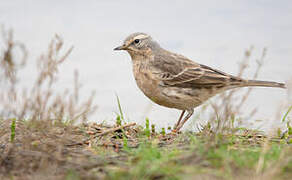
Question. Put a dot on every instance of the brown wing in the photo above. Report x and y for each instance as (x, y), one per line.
(176, 70)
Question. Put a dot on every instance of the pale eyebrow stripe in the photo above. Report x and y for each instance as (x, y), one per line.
(141, 36)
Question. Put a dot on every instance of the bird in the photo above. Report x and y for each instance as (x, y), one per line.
(174, 81)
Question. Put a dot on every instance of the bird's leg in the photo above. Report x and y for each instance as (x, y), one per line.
(190, 113)
(180, 118)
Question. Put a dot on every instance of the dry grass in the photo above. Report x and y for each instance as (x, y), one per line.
(41, 101)
(44, 117)
(229, 104)
(225, 111)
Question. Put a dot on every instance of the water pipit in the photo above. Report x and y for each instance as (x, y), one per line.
(174, 81)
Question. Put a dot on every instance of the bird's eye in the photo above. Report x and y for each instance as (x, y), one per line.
(136, 41)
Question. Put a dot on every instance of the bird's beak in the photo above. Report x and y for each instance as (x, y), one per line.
(123, 47)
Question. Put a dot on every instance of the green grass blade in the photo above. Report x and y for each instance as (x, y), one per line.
(12, 135)
(120, 107)
(147, 128)
(286, 114)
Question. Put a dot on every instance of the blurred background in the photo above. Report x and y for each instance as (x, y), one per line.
(214, 33)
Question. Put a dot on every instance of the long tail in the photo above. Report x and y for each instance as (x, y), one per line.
(264, 83)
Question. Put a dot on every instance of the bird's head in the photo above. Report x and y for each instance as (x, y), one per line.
(138, 44)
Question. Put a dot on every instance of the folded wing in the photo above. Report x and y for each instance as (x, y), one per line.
(182, 72)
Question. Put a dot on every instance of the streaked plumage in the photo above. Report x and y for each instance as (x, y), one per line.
(175, 81)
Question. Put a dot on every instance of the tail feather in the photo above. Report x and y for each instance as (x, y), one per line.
(264, 83)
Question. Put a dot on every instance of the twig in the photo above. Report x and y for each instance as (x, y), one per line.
(103, 133)
(114, 129)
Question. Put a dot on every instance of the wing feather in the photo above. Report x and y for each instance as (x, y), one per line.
(177, 70)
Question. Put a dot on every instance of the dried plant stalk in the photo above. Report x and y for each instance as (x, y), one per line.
(42, 101)
(227, 106)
